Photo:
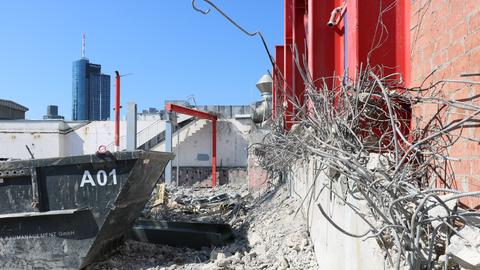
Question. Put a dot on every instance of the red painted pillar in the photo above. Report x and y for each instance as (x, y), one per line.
(321, 46)
(288, 94)
(352, 36)
(288, 65)
(299, 37)
(117, 111)
(277, 98)
(386, 45)
(391, 43)
(403, 38)
(214, 153)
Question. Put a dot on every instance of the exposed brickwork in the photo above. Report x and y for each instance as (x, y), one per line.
(203, 175)
(445, 38)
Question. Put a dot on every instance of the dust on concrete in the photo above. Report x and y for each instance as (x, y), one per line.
(270, 234)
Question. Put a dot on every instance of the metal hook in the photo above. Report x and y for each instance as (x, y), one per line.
(199, 10)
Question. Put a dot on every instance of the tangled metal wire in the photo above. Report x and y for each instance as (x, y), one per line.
(345, 124)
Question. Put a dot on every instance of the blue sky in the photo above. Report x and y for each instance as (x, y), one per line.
(172, 50)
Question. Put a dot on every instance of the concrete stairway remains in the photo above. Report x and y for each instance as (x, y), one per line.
(143, 136)
(160, 137)
(185, 132)
(188, 132)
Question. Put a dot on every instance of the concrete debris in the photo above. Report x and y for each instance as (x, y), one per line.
(202, 204)
(269, 234)
(440, 264)
(438, 210)
(377, 161)
(160, 196)
(464, 248)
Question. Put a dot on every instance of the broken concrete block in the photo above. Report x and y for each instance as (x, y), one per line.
(439, 210)
(465, 250)
(254, 238)
(377, 161)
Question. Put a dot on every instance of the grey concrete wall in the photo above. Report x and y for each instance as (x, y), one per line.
(333, 249)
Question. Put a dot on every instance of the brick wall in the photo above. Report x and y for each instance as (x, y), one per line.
(203, 175)
(445, 38)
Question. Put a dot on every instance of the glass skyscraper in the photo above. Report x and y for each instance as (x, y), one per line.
(90, 91)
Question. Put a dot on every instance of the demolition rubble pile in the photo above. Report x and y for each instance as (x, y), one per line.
(269, 232)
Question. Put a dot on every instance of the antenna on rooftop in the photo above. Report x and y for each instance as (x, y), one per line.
(83, 45)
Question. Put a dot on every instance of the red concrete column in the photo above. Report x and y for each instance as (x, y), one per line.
(299, 38)
(369, 43)
(277, 97)
(352, 36)
(288, 64)
(403, 40)
(321, 47)
(117, 111)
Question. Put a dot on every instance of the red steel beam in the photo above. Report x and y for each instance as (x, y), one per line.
(321, 47)
(288, 64)
(288, 94)
(184, 110)
(203, 115)
(403, 35)
(299, 44)
(278, 77)
(352, 36)
(117, 111)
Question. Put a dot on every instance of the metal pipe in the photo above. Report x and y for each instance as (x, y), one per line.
(469, 74)
(338, 10)
(117, 110)
(214, 153)
(168, 146)
(178, 151)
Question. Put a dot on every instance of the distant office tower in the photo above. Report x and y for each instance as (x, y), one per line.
(90, 90)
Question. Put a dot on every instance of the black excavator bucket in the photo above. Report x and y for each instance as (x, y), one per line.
(69, 212)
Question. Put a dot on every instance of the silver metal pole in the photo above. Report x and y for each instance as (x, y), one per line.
(131, 126)
(178, 152)
(168, 147)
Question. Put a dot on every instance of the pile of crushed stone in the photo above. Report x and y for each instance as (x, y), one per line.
(270, 234)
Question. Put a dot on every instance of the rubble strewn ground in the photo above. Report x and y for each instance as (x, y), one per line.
(270, 234)
(201, 204)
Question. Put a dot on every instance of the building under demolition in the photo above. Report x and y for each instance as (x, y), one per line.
(362, 154)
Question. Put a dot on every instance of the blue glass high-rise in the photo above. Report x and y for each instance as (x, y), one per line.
(90, 92)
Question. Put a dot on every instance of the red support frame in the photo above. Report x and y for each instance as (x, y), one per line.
(299, 38)
(117, 111)
(202, 115)
(277, 99)
(288, 71)
(321, 46)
